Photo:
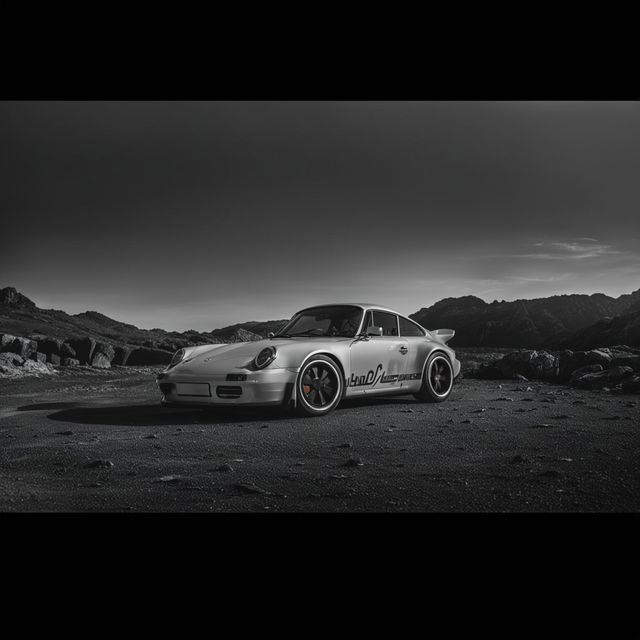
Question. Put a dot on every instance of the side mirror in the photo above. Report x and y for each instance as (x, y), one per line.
(374, 331)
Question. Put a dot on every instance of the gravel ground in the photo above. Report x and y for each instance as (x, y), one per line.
(99, 441)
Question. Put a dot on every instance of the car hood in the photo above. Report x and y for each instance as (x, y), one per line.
(238, 355)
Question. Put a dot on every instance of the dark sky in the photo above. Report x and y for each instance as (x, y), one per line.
(197, 215)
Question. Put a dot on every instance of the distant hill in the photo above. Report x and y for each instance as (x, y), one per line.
(607, 332)
(555, 322)
(541, 322)
(21, 317)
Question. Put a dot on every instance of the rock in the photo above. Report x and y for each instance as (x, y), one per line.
(572, 360)
(225, 467)
(84, 348)
(98, 464)
(9, 359)
(589, 368)
(627, 361)
(54, 358)
(529, 364)
(146, 356)
(517, 459)
(170, 479)
(488, 372)
(100, 361)
(39, 357)
(602, 379)
(50, 345)
(5, 340)
(14, 298)
(521, 377)
(106, 350)
(353, 462)
(67, 351)
(68, 432)
(66, 362)
(631, 386)
(249, 488)
(121, 355)
(23, 347)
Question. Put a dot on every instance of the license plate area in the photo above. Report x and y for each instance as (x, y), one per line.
(193, 389)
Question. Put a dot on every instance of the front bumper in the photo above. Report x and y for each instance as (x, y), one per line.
(264, 387)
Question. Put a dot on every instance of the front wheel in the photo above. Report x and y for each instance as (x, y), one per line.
(318, 387)
(437, 380)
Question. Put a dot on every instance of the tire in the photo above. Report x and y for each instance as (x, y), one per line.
(319, 387)
(437, 379)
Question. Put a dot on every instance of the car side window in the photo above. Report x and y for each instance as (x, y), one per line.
(388, 322)
(409, 329)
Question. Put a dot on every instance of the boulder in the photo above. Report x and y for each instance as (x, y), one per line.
(106, 349)
(121, 355)
(49, 346)
(69, 361)
(39, 357)
(601, 379)
(101, 361)
(632, 385)
(488, 372)
(145, 356)
(84, 348)
(571, 360)
(627, 361)
(54, 358)
(9, 359)
(67, 351)
(531, 364)
(590, 368)
(5, 340)
(23, 347)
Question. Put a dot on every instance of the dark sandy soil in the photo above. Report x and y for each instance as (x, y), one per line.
(101, 442)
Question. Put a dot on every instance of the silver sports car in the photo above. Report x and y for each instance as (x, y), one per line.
(323, 354)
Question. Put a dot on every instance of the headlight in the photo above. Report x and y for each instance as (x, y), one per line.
(264, 358)
(177, 357)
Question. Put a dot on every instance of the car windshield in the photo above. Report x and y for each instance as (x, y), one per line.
(340, 321)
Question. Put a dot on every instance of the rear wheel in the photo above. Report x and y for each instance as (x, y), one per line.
(318, 387)
(437, 380)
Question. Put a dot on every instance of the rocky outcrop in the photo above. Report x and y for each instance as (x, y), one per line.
(84, 348)
(67, 362)
(103, 354)
(606, 378)
(146, 356)
(22, 346)
(50, 345)
(582, 371)
(5, 340)
(533, 365)
(39, 357)
(13, 365)
(12, 298)
(100, 360)
(54, 359)
(121, 355)
(571, 360)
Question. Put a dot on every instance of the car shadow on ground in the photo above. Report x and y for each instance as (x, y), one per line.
(153, 415)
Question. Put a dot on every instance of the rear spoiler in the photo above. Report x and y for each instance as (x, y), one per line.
(443, 335)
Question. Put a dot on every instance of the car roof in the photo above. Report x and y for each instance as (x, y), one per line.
(363, 305)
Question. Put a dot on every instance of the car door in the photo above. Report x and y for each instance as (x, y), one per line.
(416, 339)
(379, 362)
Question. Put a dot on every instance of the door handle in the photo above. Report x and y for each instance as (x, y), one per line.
(403, 350)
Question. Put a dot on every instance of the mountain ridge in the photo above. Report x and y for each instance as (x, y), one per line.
(552, 322)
